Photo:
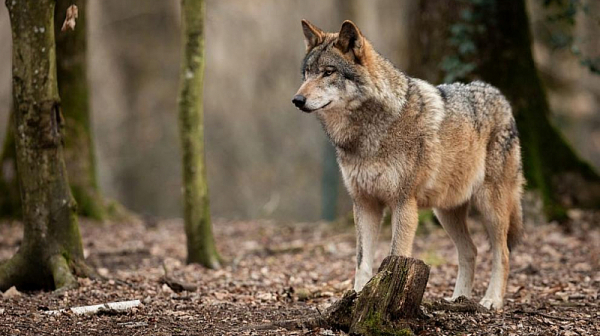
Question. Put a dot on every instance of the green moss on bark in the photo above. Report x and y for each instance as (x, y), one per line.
(507, 62)
(71, 69)
(198, 228)
(51, 244)
(500, 34)
(10, 199)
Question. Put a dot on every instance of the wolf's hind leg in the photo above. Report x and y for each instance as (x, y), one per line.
(454, 222)
(495, 210)
(367, 216)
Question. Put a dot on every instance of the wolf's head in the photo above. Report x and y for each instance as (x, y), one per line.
(333, 70)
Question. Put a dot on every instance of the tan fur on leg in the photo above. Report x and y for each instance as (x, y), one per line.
(367, 215)
(454, 222)
(405, 219)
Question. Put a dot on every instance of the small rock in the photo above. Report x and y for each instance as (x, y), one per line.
(11, 292)
(1, 311)
(266, 297)
(103, 271)
(302, 294)
(166, 288)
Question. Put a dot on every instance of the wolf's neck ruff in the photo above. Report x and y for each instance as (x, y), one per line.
(382, 95)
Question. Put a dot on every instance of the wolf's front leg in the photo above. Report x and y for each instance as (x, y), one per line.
(405, 218)
(367, 217)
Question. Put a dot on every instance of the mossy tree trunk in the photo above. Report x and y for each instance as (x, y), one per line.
(10, 199)
(51, 251)
(198, 228)
(389, 304)
(500, 33)
(71, 68)
(507, 62)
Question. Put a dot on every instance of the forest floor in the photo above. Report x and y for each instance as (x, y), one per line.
(287, 271)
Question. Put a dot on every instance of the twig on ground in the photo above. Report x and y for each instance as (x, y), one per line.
(562, 318)
(461, 304)
(174, 284)
(106, 308)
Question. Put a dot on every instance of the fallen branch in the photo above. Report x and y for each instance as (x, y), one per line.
(562, 318)
(106, 308)
(460, 305)
(133, 324)
(174, 284)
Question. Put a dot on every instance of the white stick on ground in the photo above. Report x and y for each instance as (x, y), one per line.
(90, 310)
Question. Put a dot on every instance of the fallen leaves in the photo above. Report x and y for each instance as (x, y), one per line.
(305, 268)
(11, 292)
(72, 15)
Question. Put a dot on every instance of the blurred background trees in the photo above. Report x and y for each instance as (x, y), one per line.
(264, 158)
(79, 151)
(491, 40)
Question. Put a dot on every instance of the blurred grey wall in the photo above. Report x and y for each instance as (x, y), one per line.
(264, 156)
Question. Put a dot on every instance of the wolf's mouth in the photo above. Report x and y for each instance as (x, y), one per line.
(318, 108)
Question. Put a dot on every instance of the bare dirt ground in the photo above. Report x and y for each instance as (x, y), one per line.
(288, 271)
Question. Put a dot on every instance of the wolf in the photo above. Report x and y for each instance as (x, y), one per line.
(405, 144)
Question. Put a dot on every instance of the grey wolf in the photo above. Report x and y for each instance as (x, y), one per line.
(403, 143)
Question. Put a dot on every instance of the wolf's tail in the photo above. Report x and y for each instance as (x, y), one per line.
(515, 228)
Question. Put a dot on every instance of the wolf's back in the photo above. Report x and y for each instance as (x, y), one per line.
(491, 116)
(480, 102)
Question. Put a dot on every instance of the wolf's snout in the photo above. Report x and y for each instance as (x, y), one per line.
(299, 101)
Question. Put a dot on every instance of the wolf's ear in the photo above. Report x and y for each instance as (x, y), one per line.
(313, 36)
(350, 39)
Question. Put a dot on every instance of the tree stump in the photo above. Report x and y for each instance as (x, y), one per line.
(388, 303)
(393, 294)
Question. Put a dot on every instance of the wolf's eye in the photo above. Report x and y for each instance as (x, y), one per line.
(328, 72)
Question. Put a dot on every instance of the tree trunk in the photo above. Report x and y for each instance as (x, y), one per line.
(51, 251)
(507, 63)
(71, 68)
(503, 57)
(79, 154)
(389, 304)
(198, 228)
(394, 294)
(10, 199)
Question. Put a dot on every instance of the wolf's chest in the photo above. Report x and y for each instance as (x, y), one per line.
(380, 180)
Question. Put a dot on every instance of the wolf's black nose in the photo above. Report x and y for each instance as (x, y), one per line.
(299, 101)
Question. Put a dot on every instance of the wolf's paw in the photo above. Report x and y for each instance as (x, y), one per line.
(361, 280)
(492, 304)
(458, 298)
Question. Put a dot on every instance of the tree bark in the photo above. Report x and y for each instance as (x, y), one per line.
(389, 304)
(394, 294)
(10, 199)
(79, 154)
(504, 59)
(51, 252)
(198, 228)
(507, 62)
(71, 68)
